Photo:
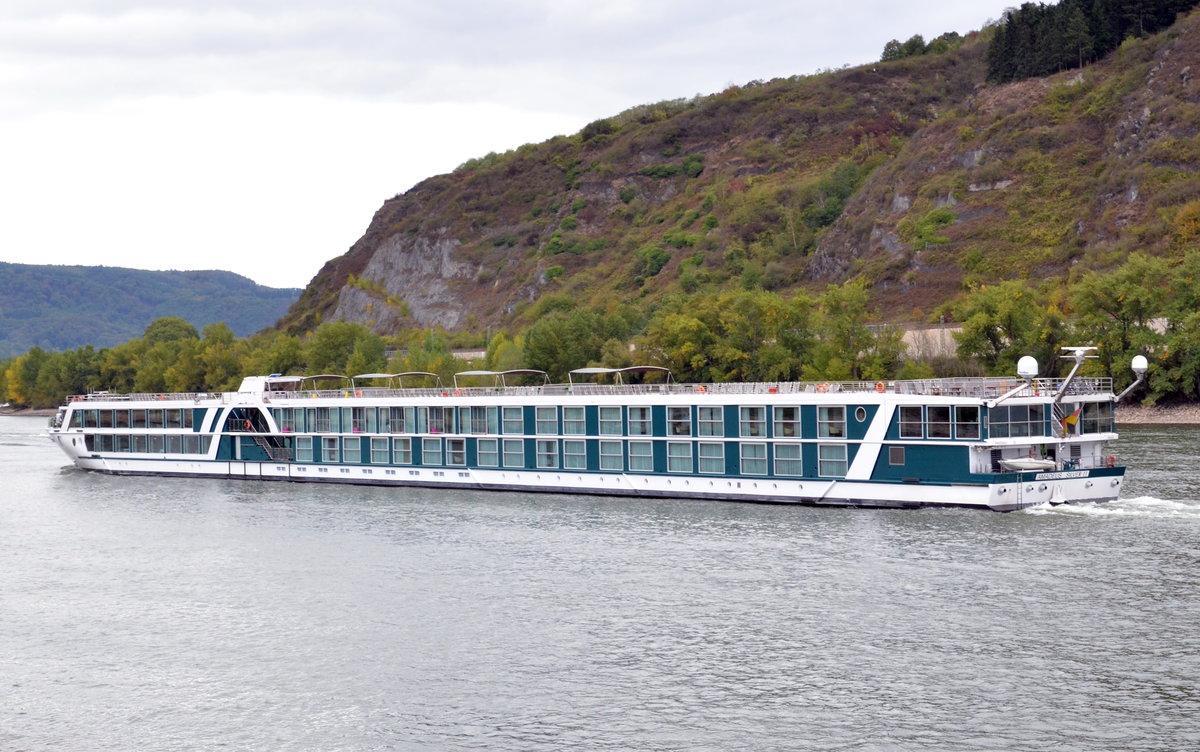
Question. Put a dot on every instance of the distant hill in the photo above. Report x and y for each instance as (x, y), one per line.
(63, 307)
(915, 174)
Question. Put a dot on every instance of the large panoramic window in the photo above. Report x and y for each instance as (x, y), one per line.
(1097, 417)
(1015, 421)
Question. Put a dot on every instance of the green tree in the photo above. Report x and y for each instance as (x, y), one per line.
(168, 329)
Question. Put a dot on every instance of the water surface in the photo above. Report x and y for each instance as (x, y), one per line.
(174, 614)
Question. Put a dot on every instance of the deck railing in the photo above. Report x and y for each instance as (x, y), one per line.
(978, 388)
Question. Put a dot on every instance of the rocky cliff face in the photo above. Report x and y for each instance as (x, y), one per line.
(913, 174)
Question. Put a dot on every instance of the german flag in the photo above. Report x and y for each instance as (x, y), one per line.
(1071, 421)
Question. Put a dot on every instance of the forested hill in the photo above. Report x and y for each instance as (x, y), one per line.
(63, 307)
(914, 174)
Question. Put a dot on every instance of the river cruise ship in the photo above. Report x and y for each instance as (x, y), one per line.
(991, 443)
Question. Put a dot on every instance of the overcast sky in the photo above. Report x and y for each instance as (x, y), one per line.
(259, 136)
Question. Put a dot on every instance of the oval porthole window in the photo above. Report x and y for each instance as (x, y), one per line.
(860, 414)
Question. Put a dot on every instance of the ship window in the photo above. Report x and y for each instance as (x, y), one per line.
(513, 420)
(611, 457)
(610, 421)
(573, 423)
(641, 457)
(319, 423)
(754, 459)
(431, 451)
(156, 444)
(937, 421)
(488, 452)
(191, 444)
(831, 422)
(679, 420)
(896, 455)
(1097, 417)
(373, 419)
(187, 418)
(140, 443)
(712, 456)
(753, 421)
(787, 422)
(639, 421)
(911, 422)
(173, 418)
(329, 449)
(89, 441)
(514, 452)
(547, 453)
(379, 449)
(547, 420)
(1015, 421)
(456, 451)
(121, 443)
(352, 450)
(402, 451)
(441, 420)
(106, 418)
(831, 460)
(710, 421)
(174, 444)
(121, 419)
(966, 421)
(479, 419)
(787, 460)
(679, 456)
(574, 455)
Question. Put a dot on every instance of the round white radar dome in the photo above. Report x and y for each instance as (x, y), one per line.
(1139, 364)
(1027, 367)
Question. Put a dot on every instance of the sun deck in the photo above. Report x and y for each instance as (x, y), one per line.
(970, 388)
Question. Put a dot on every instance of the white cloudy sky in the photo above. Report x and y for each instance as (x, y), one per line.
(259, 136)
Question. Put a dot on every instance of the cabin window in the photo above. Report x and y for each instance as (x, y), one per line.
(787, 422)
(319, 421)
(754, 459)
(787, 460)
(896, 455)
(431, 451)
(137, 419)
(329, 449)
(121, 418)
(187, 418)
(831, 460)
(456, 451)
(373, 419)
(611, 457)
(174, 443)
(911, 422)
(712, 456)
(141, 444)
(77, 418)
(514, 452)
(679, 457)
(402, 451)
(121, 443)
(937, 421)
(710, 421)
(752, 421)
(352, 450)
(513, 421)
(488, 452)
(639, 421)
(441, 420)
(156, 443)
(191, 444)
(1097, 417)
(379, 450)
(106, 418)
(173, 418)
(966, 421)
(831, 422)
(547, 420)
(641, 457)
(357, 417)
(573, 423)
(547, 454)
(283, 419)
(679, 420)
(574, 455)
(610, 421)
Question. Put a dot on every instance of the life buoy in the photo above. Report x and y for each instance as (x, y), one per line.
(880, 387)
(249, 425)
(1111, 461)
(457, 392)
(357, 392)
(822, 388)
(701, 389)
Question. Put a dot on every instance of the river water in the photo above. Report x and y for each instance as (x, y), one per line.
(164, 614)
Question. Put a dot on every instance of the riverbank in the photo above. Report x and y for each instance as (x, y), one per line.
(1137, 415)
(29, 412)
